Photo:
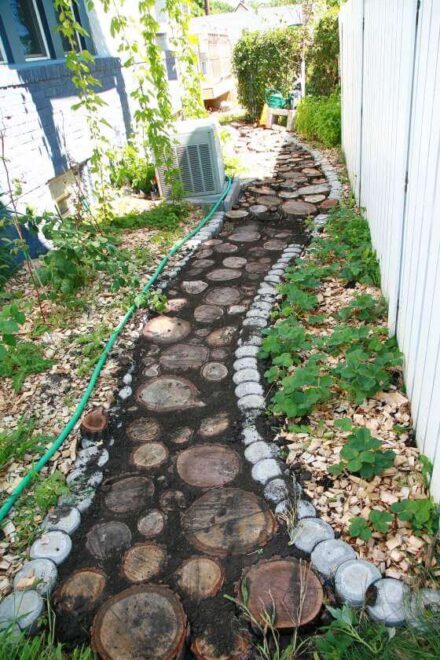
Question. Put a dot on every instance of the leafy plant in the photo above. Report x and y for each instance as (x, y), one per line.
(164, 216)
(365, 308)
(263, 60)
(422, 514)
(34, 505)
(363, 455)
(91, 345)
(301, 391)
(359, 528)
(16, 443)
(322, 56)
(132, 168)
(18, 358)
(380, 520)
(319, 118)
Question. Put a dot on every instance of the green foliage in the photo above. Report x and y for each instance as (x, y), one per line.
(303, 390)
(380, 520)
(153, 300)
(91, 346)
(363, 455)
(166, 216)
(353, 636)
(16, 443)
(423, 514)
(38, 647)
(364, 308)
(359, 528)
(263, 60)
(322, 56)
(130, 167)
(18, 358)
(319, 118)
(34, 505)
(220, 7)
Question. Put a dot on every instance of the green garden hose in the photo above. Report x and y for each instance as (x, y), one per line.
(27, 479)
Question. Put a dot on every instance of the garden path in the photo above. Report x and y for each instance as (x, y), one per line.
(184, 510)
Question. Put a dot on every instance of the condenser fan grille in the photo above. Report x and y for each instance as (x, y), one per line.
(195, 168)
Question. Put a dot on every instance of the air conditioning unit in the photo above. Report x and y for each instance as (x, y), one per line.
(198, 159)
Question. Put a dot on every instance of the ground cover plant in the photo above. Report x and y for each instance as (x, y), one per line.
(319, 118)
(336, 378)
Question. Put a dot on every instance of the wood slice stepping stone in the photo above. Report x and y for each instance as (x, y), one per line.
(144, 429)
(212, 426)
(182, 435)
(223, 295)
(295, 208)
(257, 251)
(172, 500)
(207, 466)
(143, 561)
(268, 200)
(258, 210)
(297, 177)
(200, 577)
(204, 253)
(166, 329)
(245, 237)
(81, 591)
(182, 357)
(286, 588)
(257, 267)
(238, 214)
(144, 621)
(150, 455)
(314, 199)
(311, 171)
(228, 521)
(203, 263)
(204, 649)
(226, 248)
(328, 204)
(262, 190)
(234, 262)
(212, 241)
(288, 194)
(193, 286)
(223, 274)
(222, 336)
(128, 494)
(214, 371)
(207, 313)
(194, 272)
(168, 393)
(314, 190)
(107, 539)
(152, 524)
(274, 245)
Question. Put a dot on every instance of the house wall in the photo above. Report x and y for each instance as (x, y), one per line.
(391, 138)
(43, 134)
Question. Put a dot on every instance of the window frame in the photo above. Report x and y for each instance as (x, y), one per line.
(4, 57)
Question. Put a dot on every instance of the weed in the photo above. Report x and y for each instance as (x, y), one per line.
(365, 308)
(34, 505)
(15, 444)
(91, 345)
(422, 514)
(363, 455)
(164, 216)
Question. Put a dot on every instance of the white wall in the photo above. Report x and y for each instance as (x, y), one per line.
(390, 68)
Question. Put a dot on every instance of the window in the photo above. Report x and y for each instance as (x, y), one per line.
(29, 28)
(2, 53)
(170, 62)
(79, 45)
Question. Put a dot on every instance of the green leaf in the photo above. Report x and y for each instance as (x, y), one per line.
(359, 529)
(345, 424)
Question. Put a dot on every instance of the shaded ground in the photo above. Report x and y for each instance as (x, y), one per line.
(177, 485)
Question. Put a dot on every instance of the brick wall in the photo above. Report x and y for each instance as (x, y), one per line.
(43, 134)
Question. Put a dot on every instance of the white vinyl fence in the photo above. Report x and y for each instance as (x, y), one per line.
(390, 76)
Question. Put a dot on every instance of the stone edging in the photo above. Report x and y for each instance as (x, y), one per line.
(22, 608)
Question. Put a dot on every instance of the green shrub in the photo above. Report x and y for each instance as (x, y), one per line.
(263, 60)
(132, 168)
(319, 118)
(322, 56)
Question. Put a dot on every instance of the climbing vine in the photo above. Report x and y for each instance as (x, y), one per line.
(80, 63)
